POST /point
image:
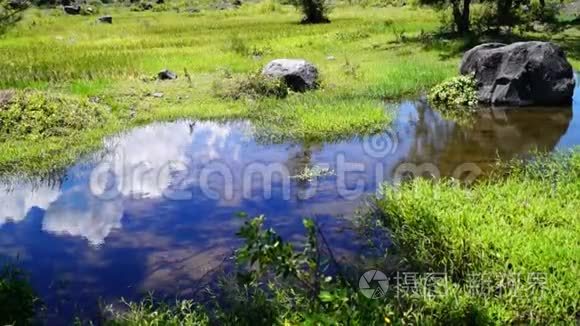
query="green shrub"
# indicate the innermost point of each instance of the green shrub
(455, 98)
(253, 86)
(455, 93)
(315, 11)
(17, 299)
(34, 114)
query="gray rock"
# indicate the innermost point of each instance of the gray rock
(300, 75)
(519, 74)
(106, 19)
(166, 74)
(72, 10)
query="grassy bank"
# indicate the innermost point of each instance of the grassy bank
(504, 232)
(365, 55)
(360, 55)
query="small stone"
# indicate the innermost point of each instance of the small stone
(166, 74)
(106, 19)
(157, 94)
(331, 58)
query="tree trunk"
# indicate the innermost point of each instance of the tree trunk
(505, 14)
(461, 16)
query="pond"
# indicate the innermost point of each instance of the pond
(156, 209)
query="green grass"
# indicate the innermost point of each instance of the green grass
(524, 222)
(379, 53)
(115, 63)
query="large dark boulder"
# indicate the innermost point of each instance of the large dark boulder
(520, 74)
(300, 75)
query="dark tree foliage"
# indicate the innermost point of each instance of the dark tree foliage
(10, 11)
(315, 11)
(499, 13)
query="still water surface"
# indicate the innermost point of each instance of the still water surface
(156, 210)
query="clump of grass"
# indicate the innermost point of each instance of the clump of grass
(237, 45)
(150, 312)
(28, 114)
(17, 298)
(313, 117)
(253, 86)
(455, 97)
(516, 235)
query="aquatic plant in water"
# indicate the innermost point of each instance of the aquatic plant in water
(311, 173)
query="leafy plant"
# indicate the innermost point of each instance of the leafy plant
(265, 250)
(457, 92)
(455, 98)
(17, 298)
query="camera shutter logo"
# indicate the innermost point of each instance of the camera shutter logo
(373, 277)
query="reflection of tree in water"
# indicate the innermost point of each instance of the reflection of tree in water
(300, 158)
(430, 129)
(493, 133)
